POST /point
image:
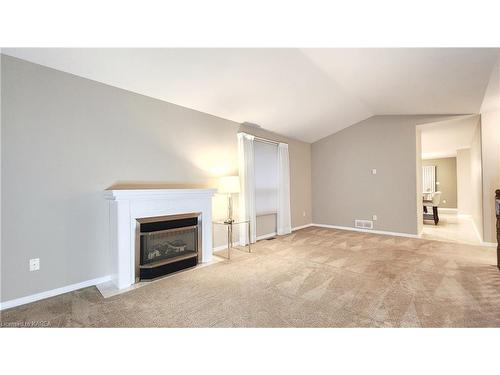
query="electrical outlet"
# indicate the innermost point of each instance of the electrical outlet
(444, 200)
(34, 264)
(304, 213)
(374, 171)
(374, 217)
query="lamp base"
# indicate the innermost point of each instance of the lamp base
(229, 219)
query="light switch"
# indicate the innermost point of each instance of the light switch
(34, 264)
(374, 171)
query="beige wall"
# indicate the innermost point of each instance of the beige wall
(344, 188)
(490, 141)
(446, 176)
(464, 184)
(65, 139)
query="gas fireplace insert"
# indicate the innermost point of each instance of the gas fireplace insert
(166, 244)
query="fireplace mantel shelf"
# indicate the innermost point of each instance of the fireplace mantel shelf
(132, 194)
(126, 206)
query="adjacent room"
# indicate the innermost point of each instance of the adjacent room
(258, 187)
(451, 180)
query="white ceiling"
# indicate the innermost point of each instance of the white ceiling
(303, 93)
(442, 139)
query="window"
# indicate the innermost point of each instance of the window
(266, 178)
(429, 179)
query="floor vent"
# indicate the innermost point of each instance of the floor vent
(363, 224)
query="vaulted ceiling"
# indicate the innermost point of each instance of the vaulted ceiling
(303, 93)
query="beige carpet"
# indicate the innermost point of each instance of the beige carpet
(312, 278)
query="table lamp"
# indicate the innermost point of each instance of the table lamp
(229, 185)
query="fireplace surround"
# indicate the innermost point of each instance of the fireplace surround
(127, 206)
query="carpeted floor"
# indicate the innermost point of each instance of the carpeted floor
(314, 277)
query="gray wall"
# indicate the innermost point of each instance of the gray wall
(344, 189)
(446, 175)
(65, 139)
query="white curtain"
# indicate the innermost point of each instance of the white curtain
(247, 186)
(283, 218)
(266, 178)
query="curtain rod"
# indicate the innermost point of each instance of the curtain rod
(265, 140)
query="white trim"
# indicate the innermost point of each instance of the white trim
(478, 235)
(53, 292)
(136, 194)
(489, 244)
(439, 155)
(302, 227)
(398, 234)
(126, 206)
(266, 213)
(449, 210)
(224, 247)
(237, 243)
(264, 236)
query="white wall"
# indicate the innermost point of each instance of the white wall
(464, 185)
(418, 157)
(476, 178)
(490, 137)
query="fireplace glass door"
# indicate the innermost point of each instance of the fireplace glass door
(166, 244)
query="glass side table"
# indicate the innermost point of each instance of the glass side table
(229, 226)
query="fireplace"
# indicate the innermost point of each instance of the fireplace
(166, 244)
(127, 206)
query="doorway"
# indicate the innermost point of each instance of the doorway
(449, 180)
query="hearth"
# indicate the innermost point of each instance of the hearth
(166, 244)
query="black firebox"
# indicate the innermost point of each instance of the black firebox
(167, 244)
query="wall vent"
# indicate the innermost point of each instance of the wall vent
(363, 224)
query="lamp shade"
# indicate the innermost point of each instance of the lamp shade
(229, 184)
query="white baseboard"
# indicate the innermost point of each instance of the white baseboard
(302, 227)
(488, 244)
(450, 210)
(478, 235)
(237, 243)
(52, 293)
(398, 234)
(224, 247)
(262, 237)
(483, 243)
(265, 236)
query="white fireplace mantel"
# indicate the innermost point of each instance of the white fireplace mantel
(126, 206)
